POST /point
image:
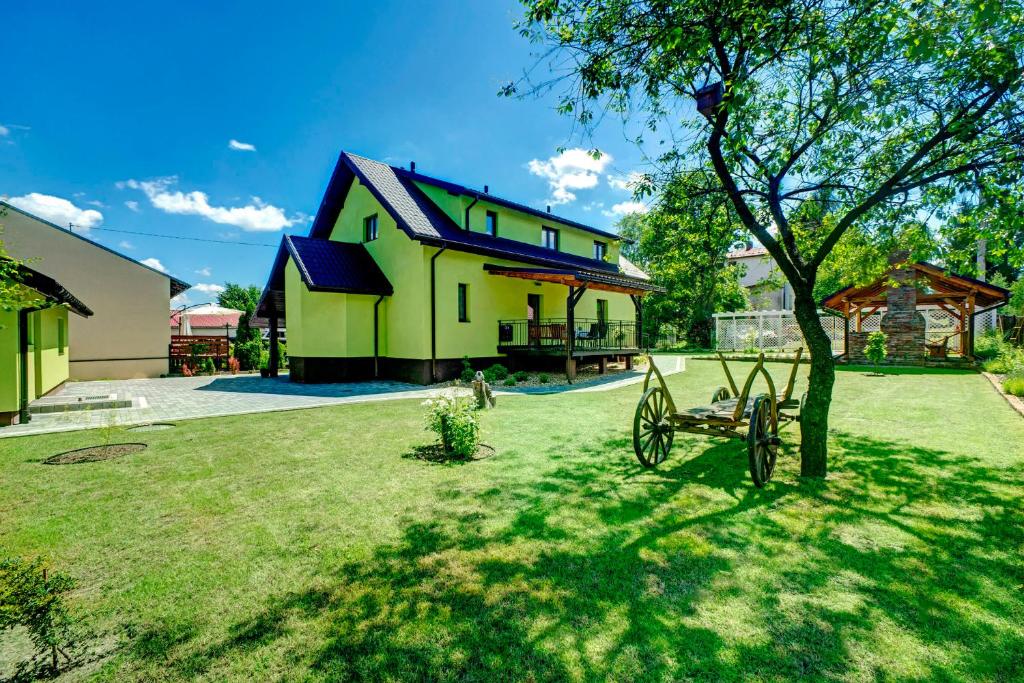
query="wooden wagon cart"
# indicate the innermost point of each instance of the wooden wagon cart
(732, 414)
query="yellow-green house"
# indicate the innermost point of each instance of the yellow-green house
(403, 276)
(34, 342)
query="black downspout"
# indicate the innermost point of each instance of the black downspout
(433, 313)
(23, 415)
(471, 205)
(376, 335)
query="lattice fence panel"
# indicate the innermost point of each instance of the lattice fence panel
(770, 331)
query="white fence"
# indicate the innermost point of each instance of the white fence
(779, 331)
(770, 331)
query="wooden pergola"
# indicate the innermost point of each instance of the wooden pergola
(961, 296)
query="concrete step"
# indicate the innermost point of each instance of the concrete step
(63, 404)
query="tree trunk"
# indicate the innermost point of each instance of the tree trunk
(814, 413)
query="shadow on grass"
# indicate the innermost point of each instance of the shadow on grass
(904, 564)
(435, 453)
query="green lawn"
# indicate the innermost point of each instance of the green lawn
(315, 545)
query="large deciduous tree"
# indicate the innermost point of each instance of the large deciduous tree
(830, 115)
(682, 243)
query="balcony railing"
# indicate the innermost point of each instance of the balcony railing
(551, 334)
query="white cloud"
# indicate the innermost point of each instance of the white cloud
(133, 205)
(241, 146)
(573, 169)
(208, 289)
(125, 244)
(623, 208)
(626, 182)
(180, 300)
(154, 264)
(204, 272)
(4, 131)
(96, 202)
(255, 217)
(57, 210)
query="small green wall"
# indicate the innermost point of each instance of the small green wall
(48, 367)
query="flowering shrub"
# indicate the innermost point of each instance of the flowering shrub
(233, 365)
(453, 420)
(186, 370)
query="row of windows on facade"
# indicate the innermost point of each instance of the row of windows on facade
(548, 236)
(532, 313)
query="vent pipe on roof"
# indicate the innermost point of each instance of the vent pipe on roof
(412, 166)
(549, 208)
(487, 189)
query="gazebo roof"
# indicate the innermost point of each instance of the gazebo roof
(941, 287)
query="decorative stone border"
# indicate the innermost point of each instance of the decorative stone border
(1014, 401)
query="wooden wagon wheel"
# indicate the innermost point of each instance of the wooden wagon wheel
(721, 394)
(652, 429)
(762, 441)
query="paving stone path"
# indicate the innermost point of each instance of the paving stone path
(183, 398)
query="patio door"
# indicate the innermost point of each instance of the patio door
(533, 308)
(533, 318)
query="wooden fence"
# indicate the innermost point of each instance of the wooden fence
(183, 348)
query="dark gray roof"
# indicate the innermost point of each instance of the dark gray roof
(329, 266)
(324, 266)
(421, 219)
(49, 288)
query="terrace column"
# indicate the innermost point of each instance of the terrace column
(274, 352)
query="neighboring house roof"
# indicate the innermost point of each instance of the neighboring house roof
(207, 316)
(50, 288)
(177, 286)
(746, 253)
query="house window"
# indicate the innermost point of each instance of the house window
(62, 336)
(602, 310)
(370, 228)
(549, 238)
(463, 303)
(600, 251)
(491, 227)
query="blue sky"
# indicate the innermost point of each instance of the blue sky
(122, 116)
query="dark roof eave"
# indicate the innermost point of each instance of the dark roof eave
(583, 275)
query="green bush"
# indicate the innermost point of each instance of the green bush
(989, 345)
(543, 378)
(453, 420)
(1009, 361)
(208, 367)
(1014, 384)
(248, 354)
(495, 372)
(33, 597)
(875, 348)
(282, 355)
(521, 376)
(467, 375)
(509, 381)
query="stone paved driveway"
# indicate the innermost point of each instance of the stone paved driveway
(182, 398)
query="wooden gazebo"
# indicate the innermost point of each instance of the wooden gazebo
(901, 291)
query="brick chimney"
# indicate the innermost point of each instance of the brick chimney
(903, 325)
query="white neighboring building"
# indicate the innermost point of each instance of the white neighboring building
(766, 286)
